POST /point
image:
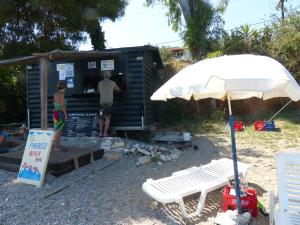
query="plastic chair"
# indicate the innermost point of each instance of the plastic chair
(285, 206)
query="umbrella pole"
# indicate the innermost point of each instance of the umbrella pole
(234, 159)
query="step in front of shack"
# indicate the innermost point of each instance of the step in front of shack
(134, 69)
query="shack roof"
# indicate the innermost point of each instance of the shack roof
(57, 55)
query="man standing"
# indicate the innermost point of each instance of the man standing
(106, 88)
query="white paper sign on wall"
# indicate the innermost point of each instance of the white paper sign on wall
(35, 157)
(107, 64)
(92, 65)
(69, 69)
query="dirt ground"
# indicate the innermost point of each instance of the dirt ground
(109, 191)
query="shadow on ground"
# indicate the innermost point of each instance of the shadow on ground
(101, 194)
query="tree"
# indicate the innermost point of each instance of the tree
(28, 26)
(241, 40)
(203, 23)
(281, 5)
(285, 45)
(12, 87)
(281, 40)
(43, 25)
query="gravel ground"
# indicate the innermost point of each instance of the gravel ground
(109, 191)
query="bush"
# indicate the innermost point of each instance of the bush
(218, 115)
(174, 112)
(12, 95)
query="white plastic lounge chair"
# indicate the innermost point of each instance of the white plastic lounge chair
(183, 183)
(175, 187)
(288, 176)
(221, 168)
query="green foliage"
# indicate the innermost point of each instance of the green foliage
(203, 23)
(174, 111)
(246, 40)
(285, 45)
(165, 54)
(41, 25)
(196, 34)
(12, 95)
(214, 54)
(218, 115)
(28, 26)
(281, 41)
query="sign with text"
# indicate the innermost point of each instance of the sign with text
(92, 65)
(65, 71)
(35, 157)
(107, 64)
(82, 124)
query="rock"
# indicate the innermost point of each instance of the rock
(175, 153)
(151, 148)
(153, 154)
(164, 158)
(105, 147)
(136, 146)
(118, 144)
(144, 160)
(121, 150)
(106, 142)
(163, 149)
(126, 150)
(159, 163)
(153, 204)
(132, 150)
(143, 151)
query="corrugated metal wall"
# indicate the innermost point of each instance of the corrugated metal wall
(128, 105)
(33, 95)
(149, 74)
(137, 66)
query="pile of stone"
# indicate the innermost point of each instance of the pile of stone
(146, 153)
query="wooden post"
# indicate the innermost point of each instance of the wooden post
(44, 92)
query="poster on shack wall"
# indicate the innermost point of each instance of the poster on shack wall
(35, 157)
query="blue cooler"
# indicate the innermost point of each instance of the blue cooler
(270, 126)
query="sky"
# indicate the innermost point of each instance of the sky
(149, 25)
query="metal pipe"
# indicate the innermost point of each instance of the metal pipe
(279, 111)
(28, 118)
(234, 159)
(275, 115)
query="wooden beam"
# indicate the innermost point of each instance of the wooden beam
(40, 54)
(26, 59)
(44, 92)
(63, 55)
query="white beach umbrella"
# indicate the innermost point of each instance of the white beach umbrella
(233, 77)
